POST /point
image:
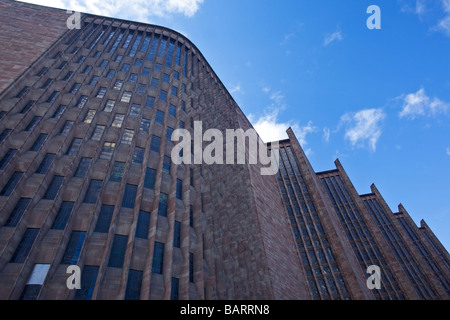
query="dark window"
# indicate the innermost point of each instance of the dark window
(166, 164)
(162, 47)
(39, 142)
(58, 113)
(104, 63)
(83, 167)
(117, 171)
(191, 267)
(88, 279)
(174, 91)
(169, 133)
(133, 291)
(27, 106)
(155, 144)
(150, 177)
(93, 191)
(183, 105)
(68, 76)
(145, 72)
(163, 95)
(174, 288)
(24, 246)
(166, 78)
(170, 51)
(62, 65)
(104, 219)
(66, 128)
(129, 196)
(191, 216)
(53, 188)
(75, 87)
(177, 234)
(145, 125)
(7, 158)
(154, 83)
(73, 248)
(159, 118)
(87, 69)
(53, 97)
(191, 171)
(17, 212)
(181, 125)
(118, 249)
(143, 225)
(74, 146)
(158, 257)
(94, 80)
(138, 155)
(63, 215)
(11, 184)
(4, 134)
(42, 71)
(33, 123)
(178, 55)
(162, 204)
(179, 190)
(45, 164)
(172, 110)
(47, 83)
(150, 101)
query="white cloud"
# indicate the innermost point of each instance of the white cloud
(419, 104)
(326, 134)
(331, 37)
(236, 89)
(363, 128)
(444, 24)
(139, 10)
(448, 151)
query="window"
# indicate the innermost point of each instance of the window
(88, 279)
(58, 112)
(126, 96)
(183, 87)
(150, 177)
(174, 91)
(158, 258)
(145, 72)
(104, 63)
(127, 137)
(162, 47)
(140, 90)
(163, 95)
(68, 76)
(135, 108)
(162, 204)
(134, 284)
(133, 77)
(66, 128)
(118, 249)
(138, 62)
(191, 216)
(24, 246)
(74, 146)
(89, 116)
(4, 134)
(118, 84)
(143, 225)
(181, 125)
(53, 97)
(62, 65)
(117, 171)
(154, 83)
(39, 142)
(97, 54)
(107, 151)
(118, 58)
(81, 102)
(94, 80)
(191, 267)
(104, 219)
(110, 74)
(150, 101)
(176, 75)
(35, 282)
(166, 78)
(179, 189)
(174, 287)
(87, 69)
(138, 155)
(144, 125)
(172, 110)
(183, 105)
(98, 132)
(83, 167)
(7, 158)
(191, 175)
(166, 164)
(109, 105)
(42, 71)
(169, 133)
(75, 88)
(101, 92)
(155, 144)
(73, 248)
(27, 106)
(118, 120)
(63, 215)
(17, 212)
(53, 188)
(169, 58)
(129, 196)
(159, 117)
(47, 83)
(45, 164)
(177, 234)
(11, 184)
(93, 191)
(33, 123)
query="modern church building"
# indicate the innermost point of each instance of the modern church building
(94, 207)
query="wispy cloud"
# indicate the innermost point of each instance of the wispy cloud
(326, 134)
(448, 151)
(444, 23)
(140, 10)
(236, 89)
(419, 104)
(435, 12)
(332, 37)
(363, 128)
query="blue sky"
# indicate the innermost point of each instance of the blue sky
(379, 100)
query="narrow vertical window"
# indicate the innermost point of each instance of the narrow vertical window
(88, 279)
(24, 246)
(17, 212)
(134, 284)
(150, 177)
(104, 219)
(158, 258)
(129, 196)
(143, 225)
(93, 191)
(45, 164)
(63, 215)
(11, 184)
(73, 249)
(118, 249)
(7, 158)
(53, 188)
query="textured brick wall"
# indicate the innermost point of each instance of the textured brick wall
(26, 31)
